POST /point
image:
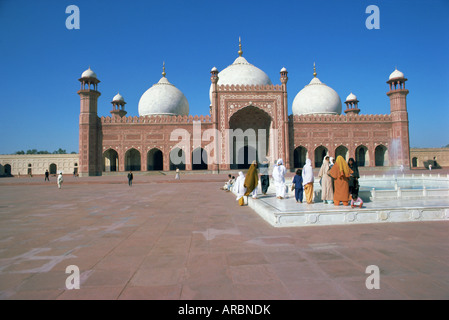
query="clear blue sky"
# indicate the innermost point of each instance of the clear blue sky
(125, 43)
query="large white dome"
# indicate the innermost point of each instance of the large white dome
(242, 72)
(163, 98)
(316, 98)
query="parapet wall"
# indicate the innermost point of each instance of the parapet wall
(245, 88)
(340, 118)
(165, 119)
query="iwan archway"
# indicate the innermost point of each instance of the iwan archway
(249, 137)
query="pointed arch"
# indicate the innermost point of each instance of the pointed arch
(132, 160)
(299, 157)
(320, 153)
(199, 159)
(362, 156)
(155, 160)
(381, 156)
(177, 159)
(342, 151)
(110, 160)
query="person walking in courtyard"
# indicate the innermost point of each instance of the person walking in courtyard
(327, 185)
(297, 186)
(341, 173)
(307, 180)
(278, 174)
(47, 176)
(252, 180)
(60, 180)
(177, 174)
(354, 178)
(130, 178)
(264, 177)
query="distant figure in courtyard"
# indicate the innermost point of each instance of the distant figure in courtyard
(252, 180)
(430, 167)
(60, 180)
(341, 173)
(327, 184)
(239, 187)
(177, 177)
(354, 178)
(130, 178)
(356, 201)
(278, 174)
(264, 177)
(47, 176)
(401, 167)
(307, 180)
(297, 186)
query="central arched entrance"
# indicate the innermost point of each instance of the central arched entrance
(249, 136)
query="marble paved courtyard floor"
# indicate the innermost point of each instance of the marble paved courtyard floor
(167, 239)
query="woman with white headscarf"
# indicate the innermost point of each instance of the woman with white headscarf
(307, 181)
(278, 174)
(239, 186)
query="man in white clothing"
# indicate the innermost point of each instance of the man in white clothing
(278, 174)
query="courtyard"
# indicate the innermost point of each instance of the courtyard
(188, 240)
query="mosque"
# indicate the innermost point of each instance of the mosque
(248, 119)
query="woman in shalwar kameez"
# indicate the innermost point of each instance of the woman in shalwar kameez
(341, 173)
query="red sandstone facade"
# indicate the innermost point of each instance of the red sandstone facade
(120, 143)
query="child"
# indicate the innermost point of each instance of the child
(356, 201)
(297, 185)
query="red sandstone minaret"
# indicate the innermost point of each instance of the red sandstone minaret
(399, 148)
(90, 153)
(284, 79)
(118, 106)
(215, 167)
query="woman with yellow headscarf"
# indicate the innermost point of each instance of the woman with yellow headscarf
(252, 180)
(341, 173)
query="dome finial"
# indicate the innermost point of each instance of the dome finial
(314, 70)
(240, 47)
(163, 69)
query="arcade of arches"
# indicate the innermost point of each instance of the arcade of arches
(362, 155)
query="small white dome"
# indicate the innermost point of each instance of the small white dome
(213, 69)
(396, 74)
(283, 69)
(163, 98)
(316, 98)
(118, 97)
(351, 97)
(88, 74)
(241, 72)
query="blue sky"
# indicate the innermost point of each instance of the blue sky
(125, 43)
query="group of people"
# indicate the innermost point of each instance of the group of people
(339, 181)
